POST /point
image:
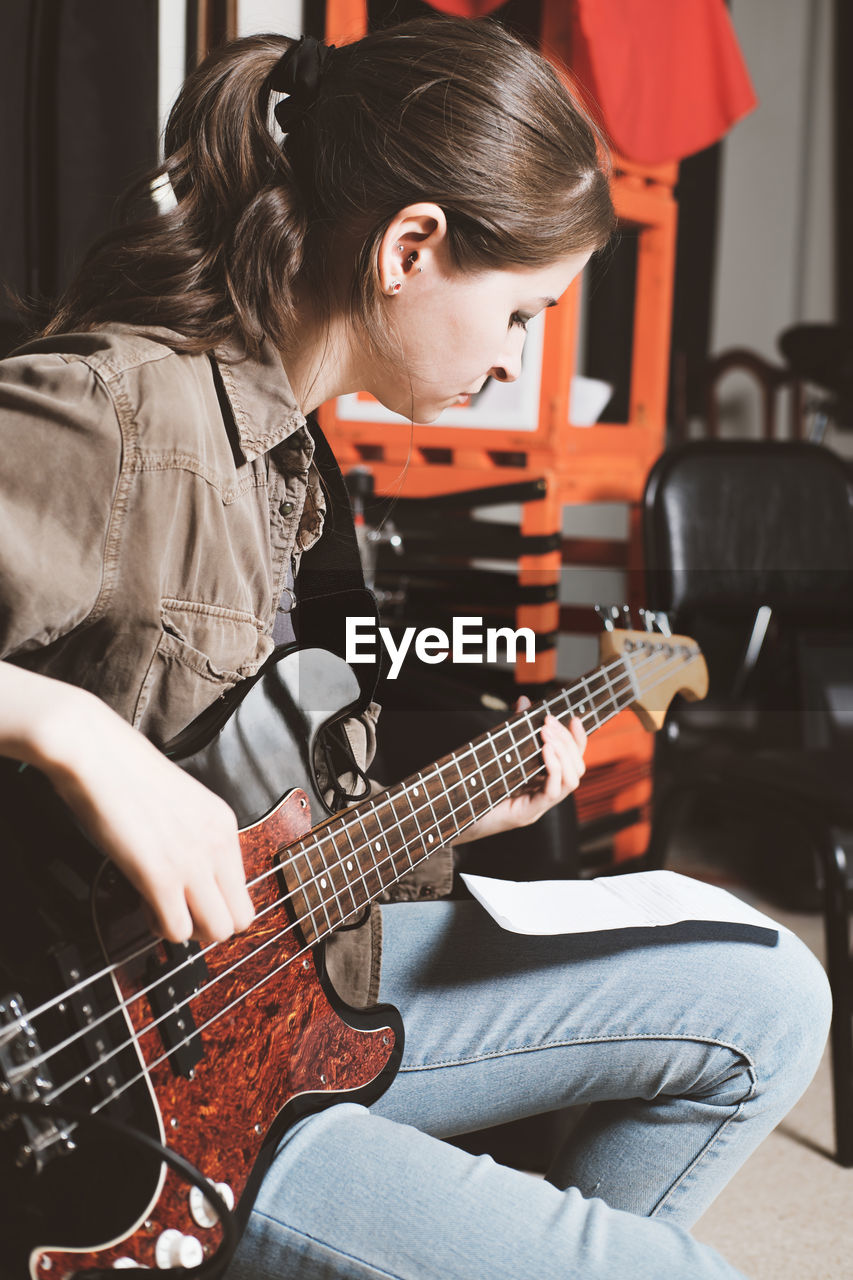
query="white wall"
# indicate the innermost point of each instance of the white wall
(283, 16)
(775, 246)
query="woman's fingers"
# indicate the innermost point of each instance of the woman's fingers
(562, 755)
(175, 840)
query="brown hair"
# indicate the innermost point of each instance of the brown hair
(453, 111)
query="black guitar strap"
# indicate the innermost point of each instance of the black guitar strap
(330, 583)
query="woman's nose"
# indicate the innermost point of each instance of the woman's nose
(508, 367)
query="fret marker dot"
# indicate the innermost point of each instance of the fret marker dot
(416, 791)
(323, 884)
(473, 782)
(507, 757)
(430, 839)
(582, 708)
(349, 866)
(378, 845)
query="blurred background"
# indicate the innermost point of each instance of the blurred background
(680, 438)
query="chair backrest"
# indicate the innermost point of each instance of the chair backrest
(734, 524)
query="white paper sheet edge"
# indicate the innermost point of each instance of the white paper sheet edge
(637, 900)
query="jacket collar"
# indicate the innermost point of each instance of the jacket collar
(260, 396)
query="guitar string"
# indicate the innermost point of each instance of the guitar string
(234, 1003)
(6, 1034)
(197, 1032)
(276, 937)
(170, 975)
(344, 916)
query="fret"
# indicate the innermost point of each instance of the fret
(322, 886)
(460, 800)
(499, 759)
(630, 690)
(373, 870)
(493, 785)
(341, 877)
(476, 788)
(336, 875)
(593, 695)
(420, 795)
(410, 835)
(440, 805)
(352, 861)
(381, 850)
(529, 748)
(510, 760)
(302, 888)
(608, 692)
(392, 834)
(604, 698)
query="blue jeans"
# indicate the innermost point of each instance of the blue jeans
(689, 1053)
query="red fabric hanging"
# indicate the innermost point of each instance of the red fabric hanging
(667, 76)
(466, 8)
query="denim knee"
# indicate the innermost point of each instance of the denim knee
(794, 1011)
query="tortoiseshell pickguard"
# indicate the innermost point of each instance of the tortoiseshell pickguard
(269, 1034)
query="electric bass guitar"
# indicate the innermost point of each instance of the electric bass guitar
(144, 1085)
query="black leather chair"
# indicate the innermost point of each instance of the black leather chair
(749, 548)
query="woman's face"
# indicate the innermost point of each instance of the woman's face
(454, 330)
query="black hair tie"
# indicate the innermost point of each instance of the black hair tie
(299, 73)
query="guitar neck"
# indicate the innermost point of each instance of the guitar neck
(349, 861)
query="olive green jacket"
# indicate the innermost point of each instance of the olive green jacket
(151, 505)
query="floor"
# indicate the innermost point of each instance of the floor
(788, 1214)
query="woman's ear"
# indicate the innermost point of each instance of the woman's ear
(414, 243)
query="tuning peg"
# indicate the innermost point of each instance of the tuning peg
(627, 620)
(656, 620)
(610, 615)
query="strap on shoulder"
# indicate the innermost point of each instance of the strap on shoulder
(330, 583)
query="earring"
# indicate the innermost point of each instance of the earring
(400, 248)
(395, 286)
(412, 259)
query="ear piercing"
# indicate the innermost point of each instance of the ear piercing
(395, 285)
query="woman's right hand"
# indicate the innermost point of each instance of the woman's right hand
(174, 839)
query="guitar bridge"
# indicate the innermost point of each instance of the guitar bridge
(24, 1077)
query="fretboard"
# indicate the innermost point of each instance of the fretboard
(335, 871)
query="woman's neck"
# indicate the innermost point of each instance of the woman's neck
(324, 361)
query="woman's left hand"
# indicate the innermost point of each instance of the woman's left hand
(562, 756)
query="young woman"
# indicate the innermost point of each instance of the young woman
(435, 187)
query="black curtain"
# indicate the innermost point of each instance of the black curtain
(78, 124)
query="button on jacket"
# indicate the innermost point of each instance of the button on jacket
(152, 507)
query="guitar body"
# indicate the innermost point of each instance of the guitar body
(215, 1054)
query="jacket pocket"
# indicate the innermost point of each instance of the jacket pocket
(202, 652)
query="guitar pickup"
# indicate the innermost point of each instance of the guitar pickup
(172, 982)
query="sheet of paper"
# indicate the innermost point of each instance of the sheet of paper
(639, 900)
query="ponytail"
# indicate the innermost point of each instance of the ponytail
(223, 261)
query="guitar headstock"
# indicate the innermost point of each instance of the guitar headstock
(660, 666)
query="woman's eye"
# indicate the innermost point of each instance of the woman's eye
(518, 319)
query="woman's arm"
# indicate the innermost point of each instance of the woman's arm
(173, 839)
